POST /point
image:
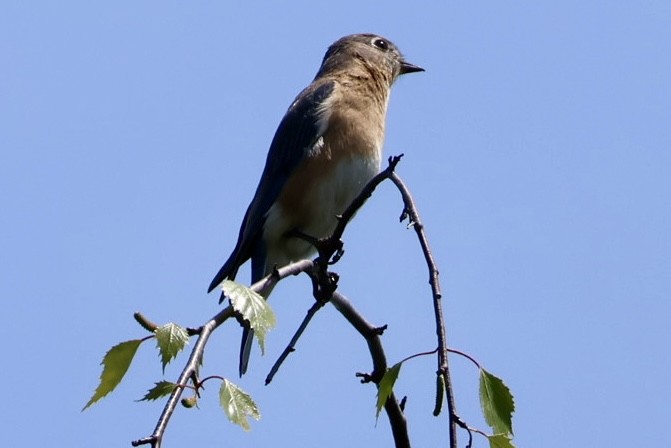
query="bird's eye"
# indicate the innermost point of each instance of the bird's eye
(381, 44)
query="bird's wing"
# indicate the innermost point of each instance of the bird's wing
(297, 133)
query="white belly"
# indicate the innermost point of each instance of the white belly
(329, 198)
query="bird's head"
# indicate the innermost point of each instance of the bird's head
(370, 50)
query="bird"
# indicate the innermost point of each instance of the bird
(326, 148)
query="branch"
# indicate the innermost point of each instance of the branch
(410, 211)
(361, 199)
(330, 251)
(399, 426)
(291, 347)
(324, 285)
(190, 371)
(328, 247)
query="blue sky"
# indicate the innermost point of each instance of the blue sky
(537, 143)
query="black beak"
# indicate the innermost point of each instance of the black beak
(407, 67)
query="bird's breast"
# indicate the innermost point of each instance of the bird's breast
(319, 190)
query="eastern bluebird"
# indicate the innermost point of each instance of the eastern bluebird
(326, 148)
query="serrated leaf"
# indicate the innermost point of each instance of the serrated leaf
(237, 404)
(170, 340)
(161, 389)
(115, 365)
(500, 441)
(252, 306)
(497, 403)
(386, 387)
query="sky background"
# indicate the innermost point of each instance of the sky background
(537, 146)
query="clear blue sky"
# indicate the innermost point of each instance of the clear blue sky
(538, 147)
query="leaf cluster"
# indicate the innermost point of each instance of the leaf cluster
(171, 339)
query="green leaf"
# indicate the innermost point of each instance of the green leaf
(237, 404)
(115, 365)
(252, 306)
(170, 340)
(500, 441)
(386, 386)
(161, 389)
(497, 403)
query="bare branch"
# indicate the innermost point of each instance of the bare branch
(371, 334)
(410, 210)
(292, 344)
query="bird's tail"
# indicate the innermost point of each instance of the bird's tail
(245, 348)
(258, 272)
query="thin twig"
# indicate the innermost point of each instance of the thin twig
(465, 355)
(411, 211)
(417, 355)
(292, 344)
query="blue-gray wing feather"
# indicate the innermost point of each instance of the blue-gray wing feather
(296, 134)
